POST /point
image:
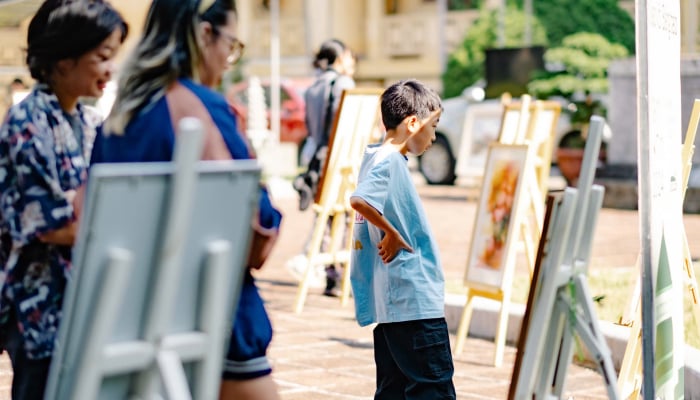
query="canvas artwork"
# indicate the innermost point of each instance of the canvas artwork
(511, 126)
(495, 232)
(482, 125)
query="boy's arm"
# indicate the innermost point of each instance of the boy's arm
(392, 242)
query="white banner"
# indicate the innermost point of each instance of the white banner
(660, 199)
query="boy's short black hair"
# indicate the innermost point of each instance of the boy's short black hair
(405, 98)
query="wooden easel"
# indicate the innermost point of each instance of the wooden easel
(630, 378)
(521, 124)
(496, 286)
(353, 129)
(538, 132)
(560, 299)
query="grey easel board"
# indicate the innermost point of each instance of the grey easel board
(558, 311)
(158, 267)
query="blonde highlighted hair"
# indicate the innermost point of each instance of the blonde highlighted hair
(168, 50)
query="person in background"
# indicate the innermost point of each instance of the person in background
(45, 142)
(396, 275)
(185, 47)
(336, 65)
(18, 90)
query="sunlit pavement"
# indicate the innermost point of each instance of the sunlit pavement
(323, 354)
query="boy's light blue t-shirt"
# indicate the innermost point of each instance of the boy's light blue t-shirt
(412, 285)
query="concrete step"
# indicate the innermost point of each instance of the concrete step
(485, 319)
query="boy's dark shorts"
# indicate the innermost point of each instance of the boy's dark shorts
(250, 337)
(414, 360)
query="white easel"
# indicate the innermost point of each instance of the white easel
(562, 303)
(158, 268)
(355, 123)
(630, 378)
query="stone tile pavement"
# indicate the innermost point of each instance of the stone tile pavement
(323, 353)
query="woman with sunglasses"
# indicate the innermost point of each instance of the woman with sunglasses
(185, 48)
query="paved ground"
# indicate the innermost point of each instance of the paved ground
(324, 354)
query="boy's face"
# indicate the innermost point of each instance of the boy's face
(422, 132)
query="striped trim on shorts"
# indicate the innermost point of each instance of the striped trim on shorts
(250, 369)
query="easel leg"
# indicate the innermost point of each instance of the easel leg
(629, 381)
(173, 376)
(345, 288)
(502, 330)
(692, 283)
(591, 335)
(314, 248)
(111, 290)
(463, 328)
(565, 357)
(552, 359)
(529, 243)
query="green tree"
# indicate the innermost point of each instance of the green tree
(562, 18)
(582, 63)
(465, 65)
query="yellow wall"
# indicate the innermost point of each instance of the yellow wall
(390, 45)
(134, 12)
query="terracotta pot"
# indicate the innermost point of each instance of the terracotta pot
(569, 162)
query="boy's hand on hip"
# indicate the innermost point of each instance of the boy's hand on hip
(390, 246)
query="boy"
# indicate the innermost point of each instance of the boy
(401, 286)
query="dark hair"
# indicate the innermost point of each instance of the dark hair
(330, 50)
(217, 14)
(167, 50)
(405, 98)
(67, 29)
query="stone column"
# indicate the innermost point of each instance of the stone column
(245, 17)
(689, 26)
(373, 41)
(318, 23)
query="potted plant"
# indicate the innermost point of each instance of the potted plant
(577, 71)
(572, 145)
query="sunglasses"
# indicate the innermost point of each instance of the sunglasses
(237, 47)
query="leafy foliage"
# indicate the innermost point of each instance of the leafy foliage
(465, 65)
(581, 66)
(562, 18)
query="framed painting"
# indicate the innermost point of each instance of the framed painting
(495, 235)
(482, 124)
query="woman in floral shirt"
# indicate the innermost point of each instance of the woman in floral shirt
(45, 143)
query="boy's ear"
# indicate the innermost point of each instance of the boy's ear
(413, 123)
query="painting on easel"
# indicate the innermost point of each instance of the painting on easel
(495, 233)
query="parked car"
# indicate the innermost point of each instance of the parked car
(292, 107)
(438, 163)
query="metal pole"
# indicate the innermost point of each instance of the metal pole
(645, 222)
(275, 70)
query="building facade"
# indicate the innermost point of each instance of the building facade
(393, 39)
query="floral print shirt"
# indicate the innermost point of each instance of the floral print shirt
(44, 152)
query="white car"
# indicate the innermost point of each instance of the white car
(440, 164)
